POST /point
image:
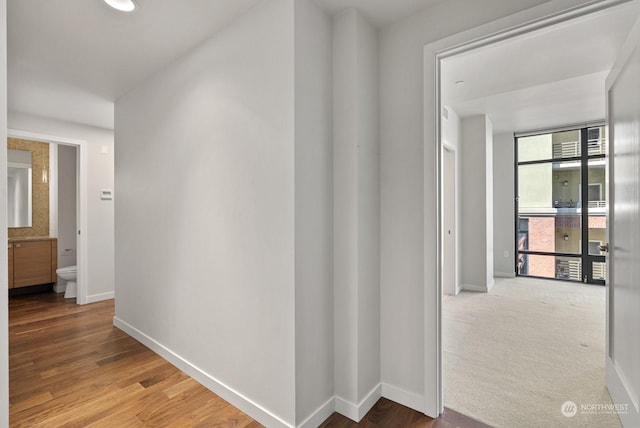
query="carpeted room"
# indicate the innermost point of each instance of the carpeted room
(513, 356)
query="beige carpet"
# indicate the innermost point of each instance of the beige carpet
(513, 356)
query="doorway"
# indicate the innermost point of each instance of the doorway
(561, 204)
(81, 207)
(462, 45)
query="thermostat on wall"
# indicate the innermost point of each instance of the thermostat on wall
(106, 194)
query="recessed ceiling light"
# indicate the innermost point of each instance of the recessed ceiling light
(121, 5)
(460, 83)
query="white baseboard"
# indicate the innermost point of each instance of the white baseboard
(369, 401)
(474, 287)
(356, 412)
(100, 297)
(254, 410)
(620, 395)
(504, 274)
(479, 288)
(335, 404)
(320, 415)
(400, 396)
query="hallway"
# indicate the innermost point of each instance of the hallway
(70, 367)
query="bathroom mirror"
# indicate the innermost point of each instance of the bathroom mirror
(19, 188)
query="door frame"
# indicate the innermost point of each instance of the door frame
(81, 202)
(517, 24)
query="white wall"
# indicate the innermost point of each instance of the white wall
(4, 325)
(205, 263)
(345, 188)
(503, 205)
(477, 204)
(368, 142)
(488, 188)
(451, 128)
(100, 214)
(356, 208)
(408, 185)
(66, 203)
(313, 210)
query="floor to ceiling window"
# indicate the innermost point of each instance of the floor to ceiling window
(560, 204)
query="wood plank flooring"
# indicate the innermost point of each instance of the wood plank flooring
(385, 413)
(69, 367)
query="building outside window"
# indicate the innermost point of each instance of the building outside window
(561, 203)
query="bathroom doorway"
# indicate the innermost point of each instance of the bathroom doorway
(81, 200)
(63, 209)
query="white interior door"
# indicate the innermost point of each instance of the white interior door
(449, 284)
(623, 226)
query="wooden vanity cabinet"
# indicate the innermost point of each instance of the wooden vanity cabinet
(32, 262)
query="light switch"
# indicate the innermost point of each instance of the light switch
(106, 194)
(105, 149)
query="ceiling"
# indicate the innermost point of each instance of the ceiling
(548, 78)
(379, 12)
(71, 59)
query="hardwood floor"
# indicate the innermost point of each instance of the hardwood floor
(68, 366)
(385, 413)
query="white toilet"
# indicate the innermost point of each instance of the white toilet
(69, 274)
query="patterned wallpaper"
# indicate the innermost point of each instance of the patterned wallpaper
(40, 209)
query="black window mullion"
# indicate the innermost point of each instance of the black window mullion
(516, 206)
(557, 160)
(587, 266)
